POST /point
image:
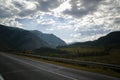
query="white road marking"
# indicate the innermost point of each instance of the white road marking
(1, 78)
(43, 69)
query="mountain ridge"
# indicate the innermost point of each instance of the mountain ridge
(49, 38)
(16, 38)
(20, 39)
(110, 39)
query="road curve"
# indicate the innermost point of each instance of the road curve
(13, 67)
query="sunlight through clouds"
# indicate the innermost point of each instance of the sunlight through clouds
(71, 20)
(65, 5)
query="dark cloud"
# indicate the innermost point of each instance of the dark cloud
(81, 8)
(22, 7)
(5, 13)
(7, 10)
(46, 5)
(18, 5)
(117, 20)
(26, 13)
(94, 32)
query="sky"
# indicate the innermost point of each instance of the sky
(71, 20)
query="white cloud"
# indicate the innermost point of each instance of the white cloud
(65, 5)
(11, 22)
(75, 36)
(45, 21)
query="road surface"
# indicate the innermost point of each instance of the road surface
(13, 67)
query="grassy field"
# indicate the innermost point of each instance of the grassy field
(95, 54)
(82, 49)
(113, 57)
(103, 55)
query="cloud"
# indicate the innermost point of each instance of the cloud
(4, 14)
(31, 5)
(11, 22)
(10, 8)
(46, 5)
(63, 6)
(117, 20)
(7, 9)
(71, 20)
(81, 8)
(26, 7)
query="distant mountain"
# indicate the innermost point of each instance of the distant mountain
(111, 39)
(51, 39)
(16, 38)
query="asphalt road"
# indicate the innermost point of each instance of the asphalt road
(13, 67)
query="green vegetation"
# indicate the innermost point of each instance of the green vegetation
(113, 57)
(95, 54)
(86, 51)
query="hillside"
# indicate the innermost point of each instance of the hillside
(111, 39)
(51, 39)
(16, 38)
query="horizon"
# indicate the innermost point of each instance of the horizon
(72, 21)
(56, 35)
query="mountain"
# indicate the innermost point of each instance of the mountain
(16, 38)
(49, 38)
(110, 39)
